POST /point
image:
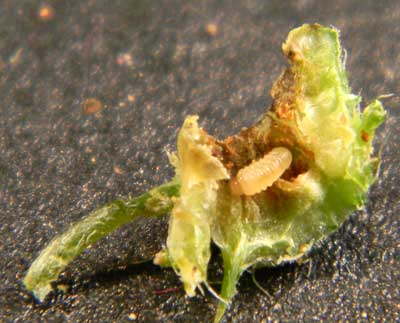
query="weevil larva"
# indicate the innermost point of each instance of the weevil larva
(262, 173)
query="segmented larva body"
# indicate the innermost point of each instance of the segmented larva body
(261, 173)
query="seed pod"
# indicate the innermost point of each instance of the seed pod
(262, 173)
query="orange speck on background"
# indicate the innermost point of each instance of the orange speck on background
(91, 106)
(212, 29)
(46, 13)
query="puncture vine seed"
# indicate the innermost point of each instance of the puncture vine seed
(316, 115)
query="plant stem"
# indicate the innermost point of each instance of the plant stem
(67, 246)
(232, 273)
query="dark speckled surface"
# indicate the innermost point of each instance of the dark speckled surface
(150, 63)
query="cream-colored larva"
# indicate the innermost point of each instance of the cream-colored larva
(261, 173)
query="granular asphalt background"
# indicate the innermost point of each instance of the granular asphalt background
(148, 64)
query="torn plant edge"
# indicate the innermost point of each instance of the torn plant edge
(189, 235)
